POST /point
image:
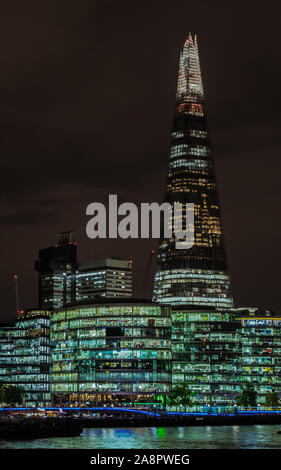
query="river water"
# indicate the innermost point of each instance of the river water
(189, 437)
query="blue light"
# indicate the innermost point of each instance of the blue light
(144, 412)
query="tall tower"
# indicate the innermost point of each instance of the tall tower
(196, 276)
(56, 269)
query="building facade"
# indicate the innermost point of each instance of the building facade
(132, 353)
(217, 353)
(206, 352)
(260, 361)
(110, 277)
(117, 352)
(63, 281)
(25, 356)
(6, 351)
(195, 276)
(56, 269)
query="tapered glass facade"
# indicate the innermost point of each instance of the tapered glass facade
(195, 276)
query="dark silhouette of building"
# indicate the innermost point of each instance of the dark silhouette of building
(57, 273)
(63, 281)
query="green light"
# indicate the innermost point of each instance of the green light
(161, 432)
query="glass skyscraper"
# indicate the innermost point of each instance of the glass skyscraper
(195, 276)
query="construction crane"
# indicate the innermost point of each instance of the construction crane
(147, 275)
(129, 266)
(16, 286)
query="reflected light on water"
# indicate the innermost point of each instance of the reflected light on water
(178, 437)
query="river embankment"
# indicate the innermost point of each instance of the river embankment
(34, 428)
(179, 420)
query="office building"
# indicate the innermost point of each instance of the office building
(260, 361)
(110, 277)
(206, 352)
(6, 351)
(25, 356)
(112, 352)
(56, 269)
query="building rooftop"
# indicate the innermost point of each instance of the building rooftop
(105, 263)
(109, 300)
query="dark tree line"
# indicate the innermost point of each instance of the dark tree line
(181, 395)
(11, 395)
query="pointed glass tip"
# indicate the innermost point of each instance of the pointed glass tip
(191, 37)
(189, 77)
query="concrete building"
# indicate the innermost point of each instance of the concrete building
(110, 277)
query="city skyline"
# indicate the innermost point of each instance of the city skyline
(51, 152)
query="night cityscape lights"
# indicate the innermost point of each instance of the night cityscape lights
(90, 343)
(116, 352)
(25, 356)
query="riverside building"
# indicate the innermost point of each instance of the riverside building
(206, 349)
(56, 269)
(6, 351)
(260, 362)
(112, 352)
(25, 356)
(130, 353)
(218, 352)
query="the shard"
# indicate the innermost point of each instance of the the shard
(196, 276)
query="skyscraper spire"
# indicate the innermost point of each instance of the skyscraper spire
(189, 77)
(197, 275)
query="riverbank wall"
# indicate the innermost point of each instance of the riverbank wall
(179, 420)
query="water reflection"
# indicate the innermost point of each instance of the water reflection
(192, 437)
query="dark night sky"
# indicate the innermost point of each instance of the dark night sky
(87, 93)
